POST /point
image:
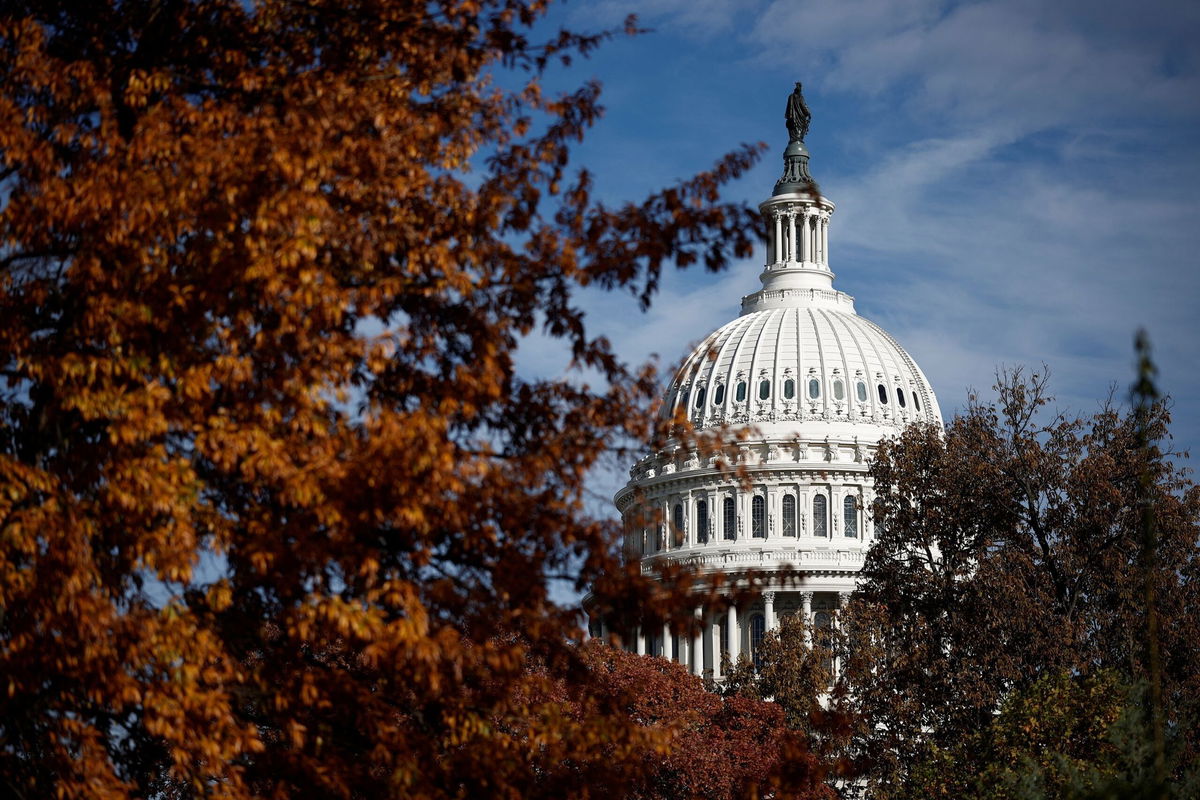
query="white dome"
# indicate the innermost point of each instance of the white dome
(809, 358)
(807, 389)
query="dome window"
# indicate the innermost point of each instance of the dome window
(883, 394)
(701, 521)
(758, 517)
(739, 394)
(850, 517)
(719, 394)
(789, 515)
(730, 513)
(820, 516)
(789, 389)
(700, 397)
(814, 388)
(900, 397)
(678, 520)
(764, 390)
(916, 402)
(839, 389)
(861, 390)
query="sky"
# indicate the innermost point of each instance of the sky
(1015, 181)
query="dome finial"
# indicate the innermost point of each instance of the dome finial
(795, 157)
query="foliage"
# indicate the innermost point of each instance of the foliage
(277, 515)
(794, 670)
(719, 747)
(1064, 736)
(1009, 549)
(790, 669)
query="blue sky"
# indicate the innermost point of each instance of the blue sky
(1016, 182)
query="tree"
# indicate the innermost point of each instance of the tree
(792, 667)
(709, 746)
(277, 515)
(1010, 549)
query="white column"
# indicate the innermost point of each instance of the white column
(667, 521)
(825, 240)
(714, 645)
(793, 255)
(806, 615)
(735, 633)
(641, 642)
(689, 519)
(697, 647)
(769, 610)
(778, 237)
(666, 641)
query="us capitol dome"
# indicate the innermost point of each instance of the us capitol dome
(813, 387)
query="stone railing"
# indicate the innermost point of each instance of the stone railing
(705, 557)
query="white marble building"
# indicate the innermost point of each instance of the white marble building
(818, 386)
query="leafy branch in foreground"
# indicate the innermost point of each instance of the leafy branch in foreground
(266, 267)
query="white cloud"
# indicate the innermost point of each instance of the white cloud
(1019, 64)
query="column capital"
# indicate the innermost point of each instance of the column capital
(768, 597)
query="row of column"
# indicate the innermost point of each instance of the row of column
(705, 644)
(813, 243)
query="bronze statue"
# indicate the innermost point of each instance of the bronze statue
(798, 115)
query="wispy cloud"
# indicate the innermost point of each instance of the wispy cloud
(1016, 181)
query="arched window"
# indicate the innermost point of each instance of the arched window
(724, 637)
(700, 397)
(789, 515)
(701, 521)
(764, 389)
(648, 538)
(900, 396)
(916, 402)
(719, 394)
(850, 517)
(861, 390)
(882, 394)
(820, 516)
(789, 389)
(740, 393)
(814, 388)
(839, 389)
(758, 629)
(729, 510)
(758, 517)
(677, 518)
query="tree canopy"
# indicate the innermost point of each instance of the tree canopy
(1010, 552)
(277, 515)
